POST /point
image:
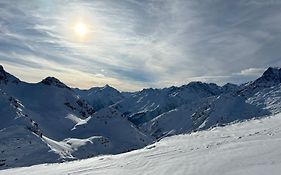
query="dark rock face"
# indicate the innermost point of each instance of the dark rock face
(6, 77)
(272, 75)
(3, 75)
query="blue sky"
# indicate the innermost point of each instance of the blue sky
(132, 44)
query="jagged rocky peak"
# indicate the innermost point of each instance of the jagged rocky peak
(271, 76)
(106, 88)
(1, 67)
(5, 77)
(2, 73)
(109, 88)
(198, 85)
(150, 90)
(52, 81)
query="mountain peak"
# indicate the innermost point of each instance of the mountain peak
(54, 81)
(271, 75)
(272, 72)
(2, 71)
(108, 88)
(5, 77)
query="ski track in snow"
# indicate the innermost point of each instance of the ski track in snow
(250, 148)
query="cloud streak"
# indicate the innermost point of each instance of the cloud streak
(134, 44)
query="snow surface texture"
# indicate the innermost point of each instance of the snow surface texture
(55, 123)
(248, 148)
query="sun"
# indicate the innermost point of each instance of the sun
(81, 29)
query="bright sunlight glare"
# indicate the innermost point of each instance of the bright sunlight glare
(81, 29)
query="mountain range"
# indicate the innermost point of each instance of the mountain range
(50, 122)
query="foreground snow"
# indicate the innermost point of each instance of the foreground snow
(251, 147)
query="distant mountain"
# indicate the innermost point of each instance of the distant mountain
(229, 87)
(51, 121)
(147, 104)
(100, 97)
(252, 100)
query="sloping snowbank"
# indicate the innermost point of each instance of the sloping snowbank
(251, 147)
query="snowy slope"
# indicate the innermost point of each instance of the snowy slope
(147, 104)
(207, 113)
(20, 141)
(248, 148)
(50, 105)
(255, 99)
(110, 123)
(69, 127)
(268, 98)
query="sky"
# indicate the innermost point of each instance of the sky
(135, 44)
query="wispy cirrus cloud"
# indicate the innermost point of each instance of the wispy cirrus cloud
(134, 44)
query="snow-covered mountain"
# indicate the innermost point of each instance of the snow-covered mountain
(5, 77)
(67, 124)
(100, 97)
(61, 125)
(20, 136)
(252, 100)
(147, 104)
(204, 114)
(49, 102)
(248, 148)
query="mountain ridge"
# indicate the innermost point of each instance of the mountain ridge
(270, 74)
(68, 123)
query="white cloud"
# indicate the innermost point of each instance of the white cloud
(252, 71)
